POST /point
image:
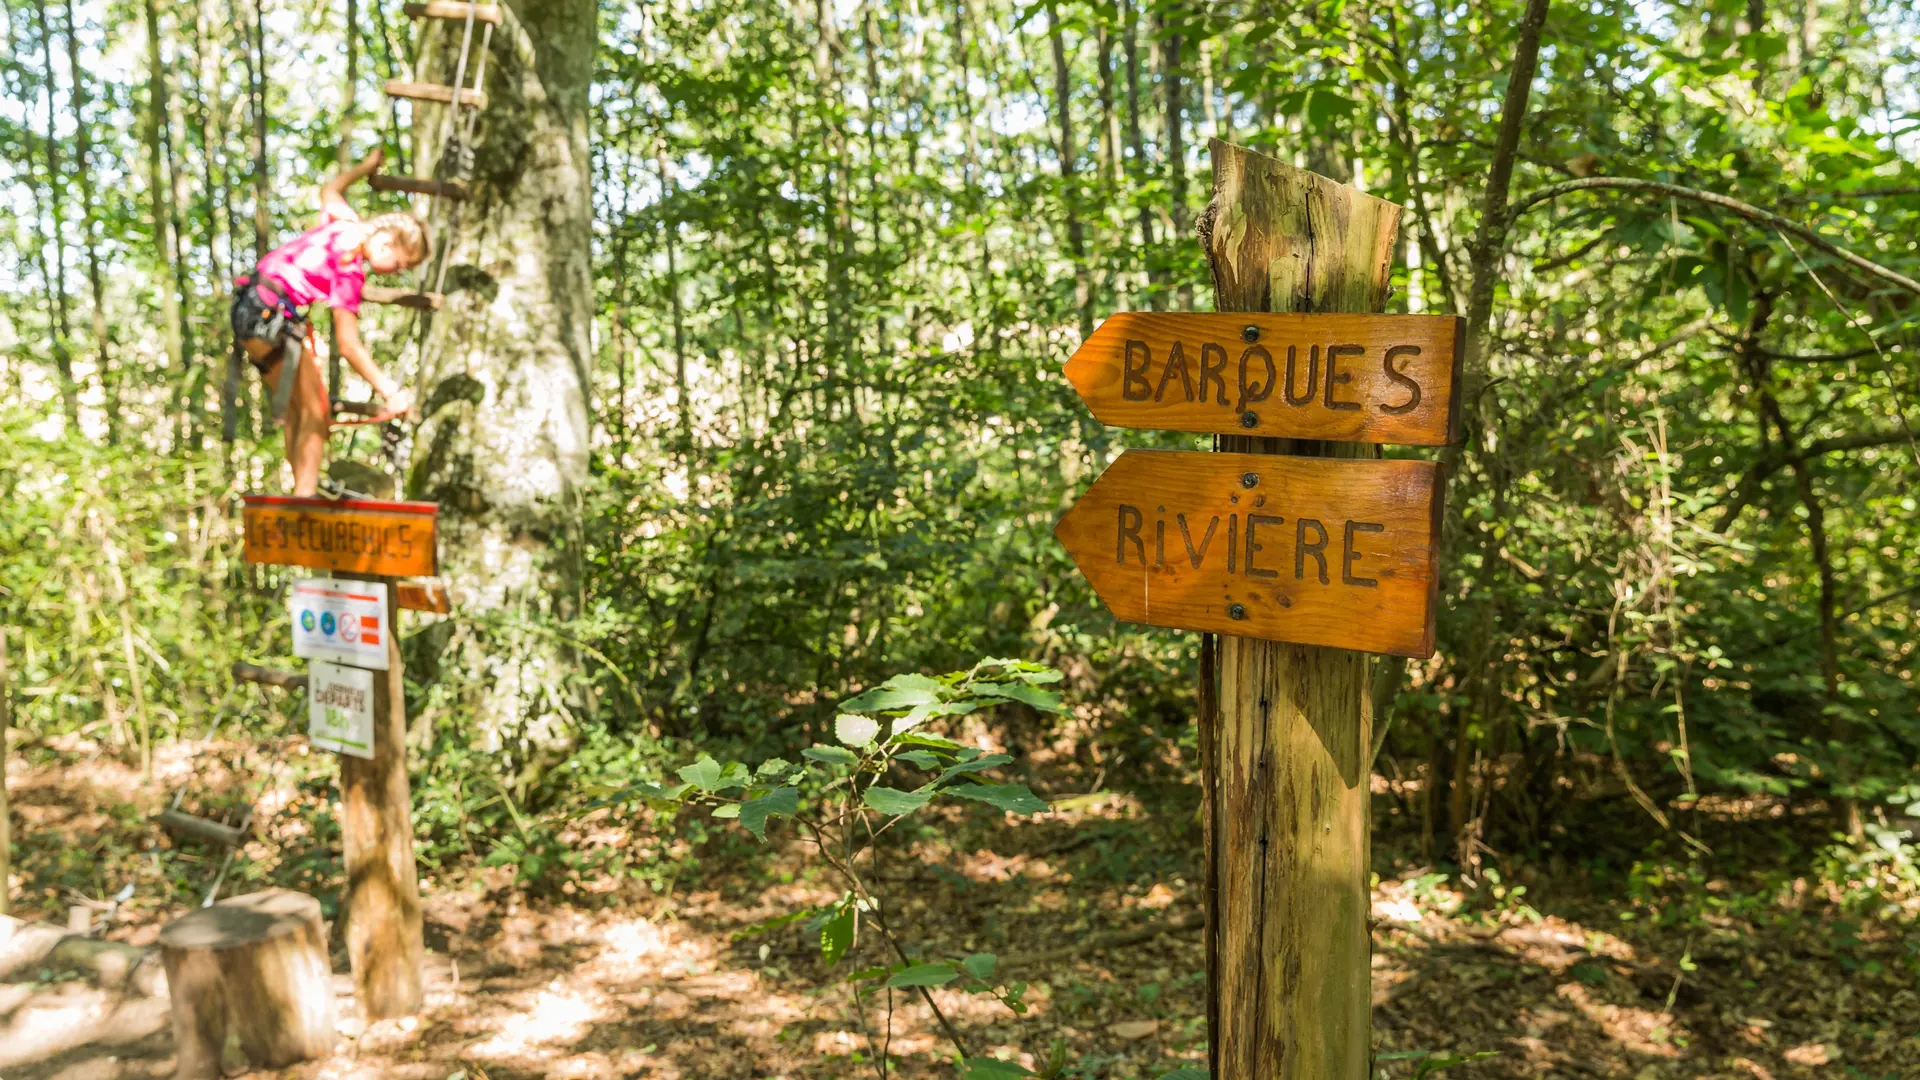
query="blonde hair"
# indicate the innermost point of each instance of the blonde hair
(406, 230)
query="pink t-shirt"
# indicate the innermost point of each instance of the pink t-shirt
(320, 265)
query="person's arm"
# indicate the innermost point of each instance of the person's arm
(333, 195)
(346, 329)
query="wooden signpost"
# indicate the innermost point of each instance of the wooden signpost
(378, 541)
(355, 536)
(1355, 378)
(1304, 552)
(1338, 553)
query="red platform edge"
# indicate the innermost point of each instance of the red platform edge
(321, 503)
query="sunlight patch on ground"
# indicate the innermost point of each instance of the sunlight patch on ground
(559, 1014)
(1641, 1031)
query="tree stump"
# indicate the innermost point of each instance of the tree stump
(251, 971)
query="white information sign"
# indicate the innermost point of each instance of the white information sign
(340, 708)
(341, 622)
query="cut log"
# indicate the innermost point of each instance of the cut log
(266, 676)
(183, 824)
(416, 185)
(451, 9)
(252, 970)
(414, 91)
(380, 294)
(26, 948)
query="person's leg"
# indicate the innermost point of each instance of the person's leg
(308, 420)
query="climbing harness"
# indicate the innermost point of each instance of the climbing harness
(275, 322)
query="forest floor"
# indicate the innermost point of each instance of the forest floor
(1584, 974)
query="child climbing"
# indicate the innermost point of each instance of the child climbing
(326, 264)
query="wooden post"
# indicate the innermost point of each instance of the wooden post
(1284, 757)
(385, 934)
(6, 807)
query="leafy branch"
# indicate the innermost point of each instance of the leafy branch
(845, 796)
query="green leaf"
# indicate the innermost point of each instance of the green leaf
(853, 729)
(836, 935)
(703, 774)
(1044, 700)
(894, 802)
(727, 811)
(938, 742)
(924, 975)
(899, 692)
(773, 767)
(1013, 798)
(980, 965)
(977, 763)
(754, 813)
(830, 755)
(993, 1069)
(923, 758)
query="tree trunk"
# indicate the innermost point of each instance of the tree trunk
(161, 194)
(89, 216)
(6, 806)
(1287, 785)
(503, 447)
(1069, 185)
(1175, 119)
(56, 210)
(1136, 143)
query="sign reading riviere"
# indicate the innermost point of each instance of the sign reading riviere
(1346, 378)
(1320, 551)
(355, 536)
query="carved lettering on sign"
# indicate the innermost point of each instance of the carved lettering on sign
(395, 539)
(1355, 378)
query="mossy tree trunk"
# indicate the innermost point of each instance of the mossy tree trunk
(504, 367)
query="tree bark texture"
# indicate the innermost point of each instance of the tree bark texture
(1286, 755)
(386, 943)
(250, 970)
(504, 367)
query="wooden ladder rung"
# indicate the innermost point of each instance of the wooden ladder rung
(417, 185)
(453, 9)
(380, 294)
(434, 92)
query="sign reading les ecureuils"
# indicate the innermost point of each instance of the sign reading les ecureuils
(357, 536)
(1321, 551)
(1346, 378)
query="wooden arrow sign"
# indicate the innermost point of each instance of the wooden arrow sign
(1346, 378)
(1321, 551)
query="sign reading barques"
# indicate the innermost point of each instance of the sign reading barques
(340, 709)
(1321, 551)
(1347, 378)
(356, 536)
(341, 622)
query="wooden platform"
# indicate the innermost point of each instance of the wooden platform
(415, 185)
(381, 294)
